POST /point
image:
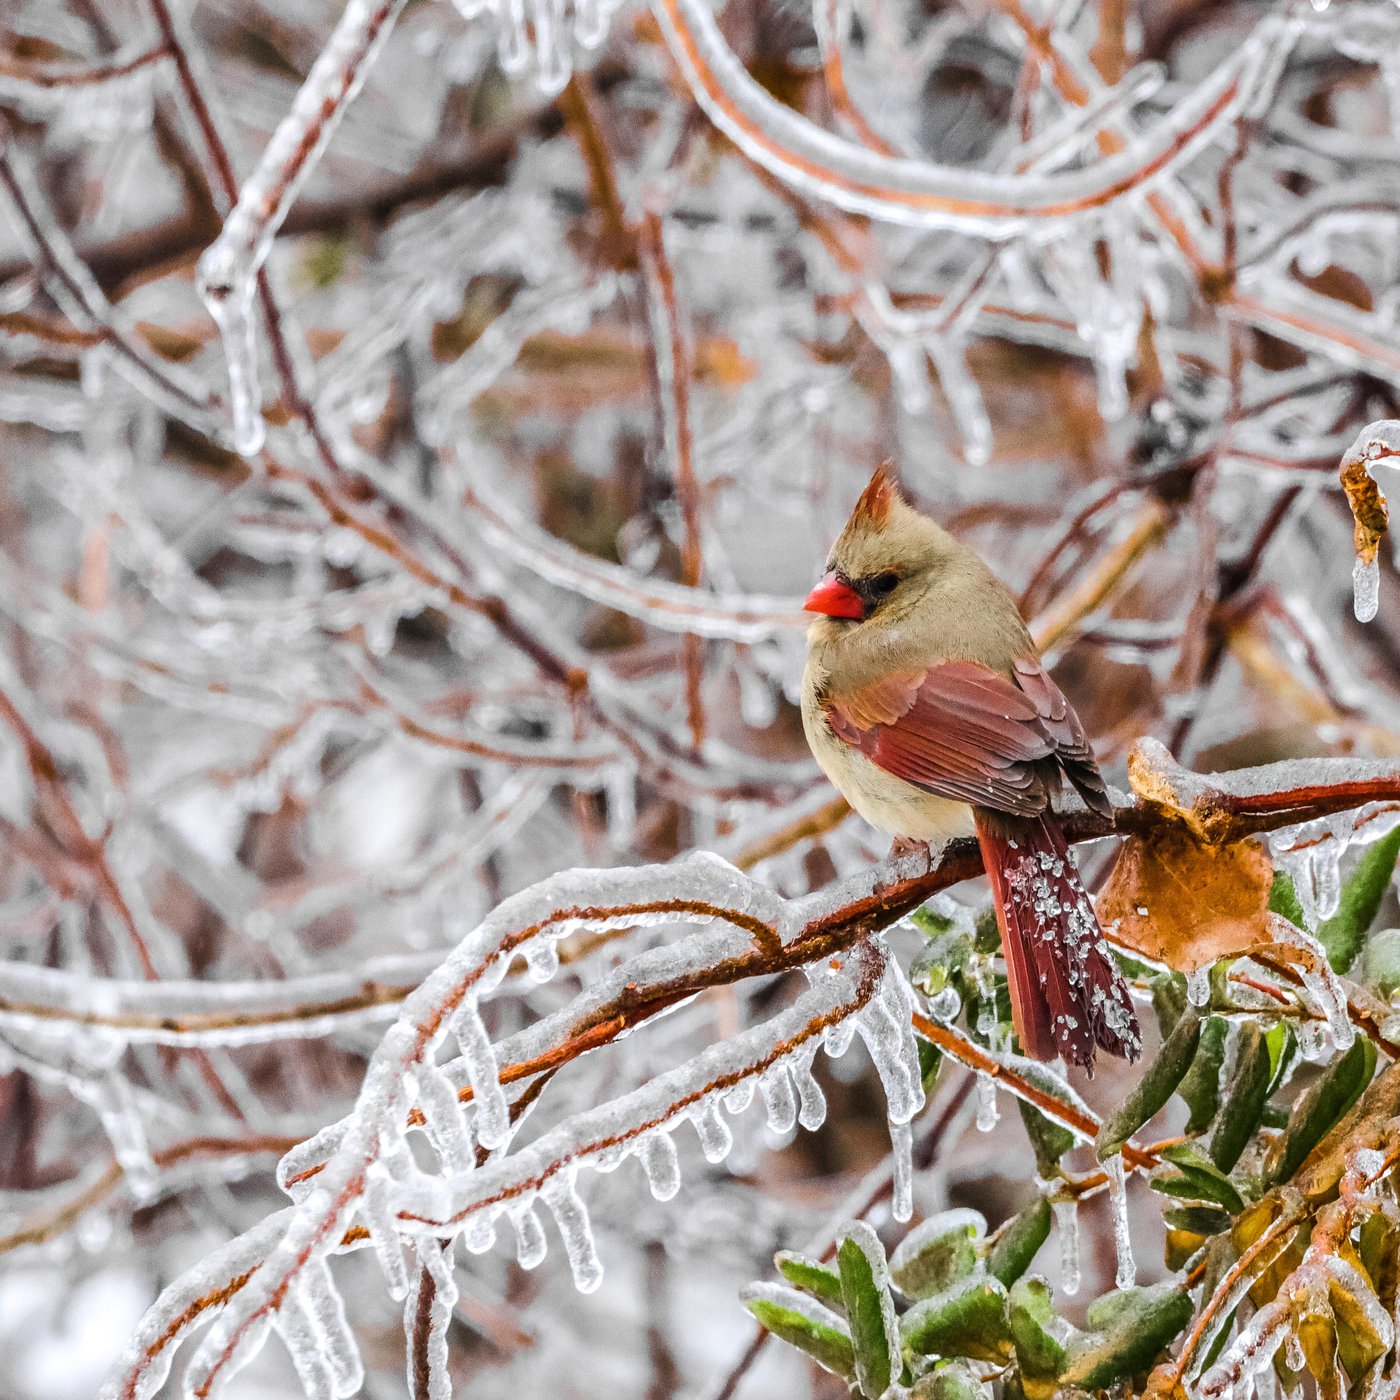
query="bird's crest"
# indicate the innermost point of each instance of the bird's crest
(878, 497)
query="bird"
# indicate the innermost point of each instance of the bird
(925, 702)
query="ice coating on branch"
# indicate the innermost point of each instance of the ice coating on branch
(1323, 986)
(435, 1258)
(1067, 1228)
(1122, 1235)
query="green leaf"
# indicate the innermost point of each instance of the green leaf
(806, 1325)
(1049, 1140)
(969, 1321)
(1382, 970)
(1155, 1087)
(941, 958)
(869, 1309)
(931, 923)
(1195, 1178)
(1200, 1089)
(1200, 1220)
(1030, 1314)
(1283, 899)
(1344, 934)
(1244, 1104)
(930, 1061)
(950, 1380)
(1168, 1000)
(1019, 1243)
(810, 1276)
(937, 1254)
(1283, 1050)
(1129, 1329)
(1321, 1106)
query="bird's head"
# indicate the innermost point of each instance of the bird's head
(884, 559)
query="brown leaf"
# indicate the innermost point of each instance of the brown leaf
(1178, 901)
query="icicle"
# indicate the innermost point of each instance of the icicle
(530, 1243)
(1198, 986)
(779, 1100)
(232, 310)
(492, 1121)
(838, 1039)
(1122, 1238)
(1366, 588)
(480, 1236)
(811, 1112)
(888, 1033)
(713, 1131)
(902, 1159)
(661, 1163)
(560, 1195)
(337, 1339)
(1293, 1353)
(446, 1125)
(1327, 876)
(296, 1325)
(377, 1216)
(1067, 1227)
(985, 1091)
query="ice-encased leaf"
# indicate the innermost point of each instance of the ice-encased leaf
(809, 1275)
(969, 1320)
(1150, 1094)
(870, 1315)
(937, 1253)
(1126, 1331)
(804, 1323)
(1248, 1073)
(1019, 1242)
(1320, 1106)
(1030, 1314)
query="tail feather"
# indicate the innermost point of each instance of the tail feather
(1067, 995)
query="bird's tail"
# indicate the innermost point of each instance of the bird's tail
(1067, 994)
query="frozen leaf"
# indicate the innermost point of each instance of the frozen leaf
(1030, 1313)
(950, 1380)
(1344, 934)
(1049, 1140)
(1320, 1107)
(1200, 1089)
(1180, 901)
(1019, 1242)
(1155, 1086)
(940, 1252)
(809, 1275)
(1250, 1075)
(804, 1324)
(1193, 1176)
(865, 1293)
(1126, 1330)
(1382, 963)
(969, 1320)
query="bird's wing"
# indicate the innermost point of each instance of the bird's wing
(965, 732)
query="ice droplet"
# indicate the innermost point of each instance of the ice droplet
(987, 1112)
(1198, 986)
(1067, 1227)
(530, 1243)
(1122, 1238)
(1366, 588)
(661, 1163)
(712, 1130)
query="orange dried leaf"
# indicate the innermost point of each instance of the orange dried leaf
(1181, 902)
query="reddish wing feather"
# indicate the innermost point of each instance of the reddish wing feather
(962, 731)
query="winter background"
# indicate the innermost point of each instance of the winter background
(419, 426)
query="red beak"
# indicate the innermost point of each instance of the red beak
(835, 598)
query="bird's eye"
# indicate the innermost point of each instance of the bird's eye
(884, 584)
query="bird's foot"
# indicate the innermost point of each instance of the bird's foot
(901, 847)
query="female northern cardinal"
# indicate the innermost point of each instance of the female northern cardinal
(924, 701)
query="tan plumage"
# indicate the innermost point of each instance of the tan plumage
(925, 703)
